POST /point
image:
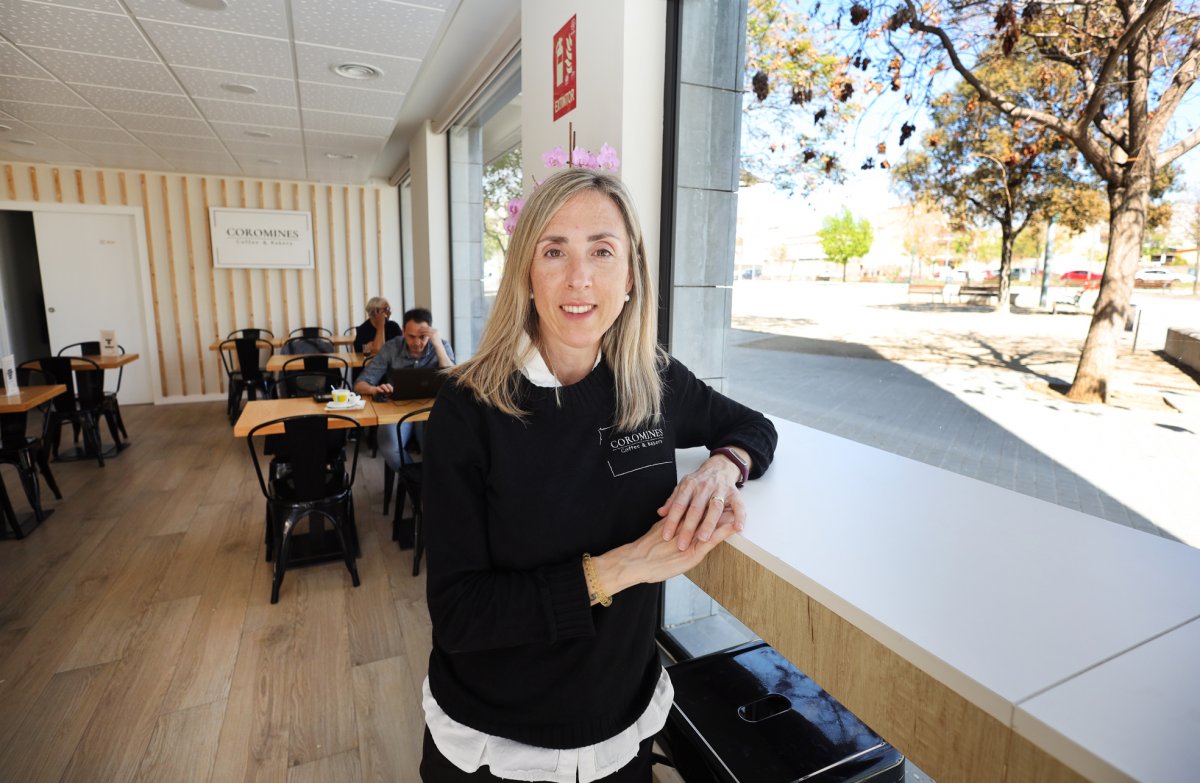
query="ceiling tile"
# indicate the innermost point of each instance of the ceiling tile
(14, 63)
(445, 5)
(202, 83)
(149, 122)
(282, 170)
(58, 27)
(64, 115)
(346, 123)
(231, 111)
(187, 160)
(18, 88)
(342, 142)
(17, 152)
(261, 17)
(249, 149)
(288, 161)
(374, 26)
(105, 71)
(41, 141)
(315, 63)
(137, 101)
(162, 142)
(68, 132)
(111, 6)
(216, 50)
(348, 100)
(234, 132)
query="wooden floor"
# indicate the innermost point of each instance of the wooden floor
(138, 643)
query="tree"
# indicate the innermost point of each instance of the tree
(501, 183)
(981, 169)
(1194, 235)
(797, 96)
(1132, 63)
(844, 238)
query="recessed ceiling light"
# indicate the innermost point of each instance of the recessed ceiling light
(356, 71)
(340, 156)
(209, 5)
(244, 89)
(258, 134)
(22, 141)
(271, 161)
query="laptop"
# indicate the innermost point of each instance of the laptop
(415, 384)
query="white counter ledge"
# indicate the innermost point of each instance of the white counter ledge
(934, 605)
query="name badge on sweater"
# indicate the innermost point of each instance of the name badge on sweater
(632, 451)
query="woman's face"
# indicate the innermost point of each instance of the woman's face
(580, 275)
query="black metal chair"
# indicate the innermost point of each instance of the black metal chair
(296, 346)
(82, 404)
(308, 480)
(315, 377)
(29, 455)
(252, 333)
(10, 516)
(245, 371)
(407, 481)
(311, 331)
(112, 408)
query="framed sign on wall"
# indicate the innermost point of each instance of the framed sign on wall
(261, 238)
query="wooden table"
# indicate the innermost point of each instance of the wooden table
(29, 398)
(392, 411)
(338, 340)
(988, 635)
(104, 362)
(276, 362)
(259, 411)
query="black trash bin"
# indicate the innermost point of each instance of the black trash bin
(747, 715)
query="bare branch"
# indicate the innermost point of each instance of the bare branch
(1113, 60)
(1181, 82)
(1172, 153)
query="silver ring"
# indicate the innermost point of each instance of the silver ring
(719, 500)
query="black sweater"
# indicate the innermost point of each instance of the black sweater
(510, 507)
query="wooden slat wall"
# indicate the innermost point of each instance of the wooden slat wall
(193, 303)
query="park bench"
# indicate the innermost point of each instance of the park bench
(979, 291)
(1084, 301)
(932, 289)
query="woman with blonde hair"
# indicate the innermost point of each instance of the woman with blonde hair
(379, 327)
(552, 510)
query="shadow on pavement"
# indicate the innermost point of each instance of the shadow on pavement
(853, 391)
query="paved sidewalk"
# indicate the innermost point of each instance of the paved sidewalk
(970, 391)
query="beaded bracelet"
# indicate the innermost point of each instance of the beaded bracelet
(595, 591)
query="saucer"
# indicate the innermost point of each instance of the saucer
(352, 405)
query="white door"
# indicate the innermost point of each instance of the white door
(90, 282)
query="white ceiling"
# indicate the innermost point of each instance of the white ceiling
(139, 83)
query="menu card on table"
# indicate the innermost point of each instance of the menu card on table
(108, 342)
(9, 367)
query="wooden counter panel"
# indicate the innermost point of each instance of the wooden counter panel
(943, 733)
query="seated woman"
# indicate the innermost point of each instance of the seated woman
(372, 333)
(556, 440)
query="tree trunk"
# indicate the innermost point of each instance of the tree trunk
(844, 265)
(1007, 239)
(1127, 221)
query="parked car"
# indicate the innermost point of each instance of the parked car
(1166, 275)
(1078, 276)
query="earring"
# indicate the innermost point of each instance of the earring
(531, 294)
(626, 297)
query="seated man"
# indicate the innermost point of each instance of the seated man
(417, 347)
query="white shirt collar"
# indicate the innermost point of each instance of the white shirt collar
(534, 367)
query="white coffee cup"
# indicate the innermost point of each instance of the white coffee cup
(341, 396)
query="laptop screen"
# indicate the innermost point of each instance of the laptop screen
(415, 384)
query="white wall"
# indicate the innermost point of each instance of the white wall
(619, 82)
(428, 161)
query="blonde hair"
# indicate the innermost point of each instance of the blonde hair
(376, 303)
(630, 346)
